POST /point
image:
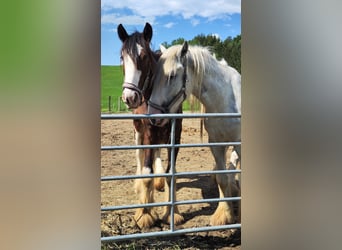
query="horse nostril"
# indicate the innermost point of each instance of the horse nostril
(127, 101)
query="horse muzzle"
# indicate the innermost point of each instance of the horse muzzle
(159, 122)
(131, 98)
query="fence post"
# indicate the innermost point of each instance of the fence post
(119, 103)
(110, 104)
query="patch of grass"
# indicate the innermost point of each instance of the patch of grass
(111, 86)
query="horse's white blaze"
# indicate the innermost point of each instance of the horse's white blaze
(132, 75)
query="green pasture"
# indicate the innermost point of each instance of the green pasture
(111, 88)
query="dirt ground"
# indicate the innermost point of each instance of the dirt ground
(116, 193)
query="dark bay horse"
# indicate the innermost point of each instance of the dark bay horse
(139, 63)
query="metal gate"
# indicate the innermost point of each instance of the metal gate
(172, 174)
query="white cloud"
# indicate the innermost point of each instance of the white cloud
(189, 9)
(195, 22)
(169, 25)
(127, 20)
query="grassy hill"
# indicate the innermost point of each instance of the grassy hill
(111, 86)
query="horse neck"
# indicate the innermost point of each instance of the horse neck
(213, 91)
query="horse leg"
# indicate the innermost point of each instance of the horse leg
(145, 217)
(238, 179)
(224, 213)
(178, 218)
(159, 182)
(139, 153)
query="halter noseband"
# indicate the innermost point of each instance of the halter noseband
(127, 85)
(181, 94)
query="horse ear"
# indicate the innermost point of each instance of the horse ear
(122, 33)
(184, 49)
(148, 32)
(162, 48)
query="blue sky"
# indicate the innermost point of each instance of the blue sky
(170, 19)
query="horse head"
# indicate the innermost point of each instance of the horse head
(138, 63)
(169, 82)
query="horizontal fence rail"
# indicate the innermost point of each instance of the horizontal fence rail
(180, 174)
(172, 174)
(170, 116)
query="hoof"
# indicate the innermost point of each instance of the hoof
(222, 216)
(144, 218)
(219, 220)
(178, 219)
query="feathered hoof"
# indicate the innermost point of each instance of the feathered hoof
(159, 184)
(178, 219)
(221, 217)
(144, 218)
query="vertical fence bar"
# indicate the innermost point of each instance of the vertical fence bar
(172, 169)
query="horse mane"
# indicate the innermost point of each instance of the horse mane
(199, 59)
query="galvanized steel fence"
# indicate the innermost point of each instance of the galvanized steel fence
(172, 174)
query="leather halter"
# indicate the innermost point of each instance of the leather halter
(127, 85)
(131, 86)
(181, 94)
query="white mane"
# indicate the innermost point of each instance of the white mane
(204, 65)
